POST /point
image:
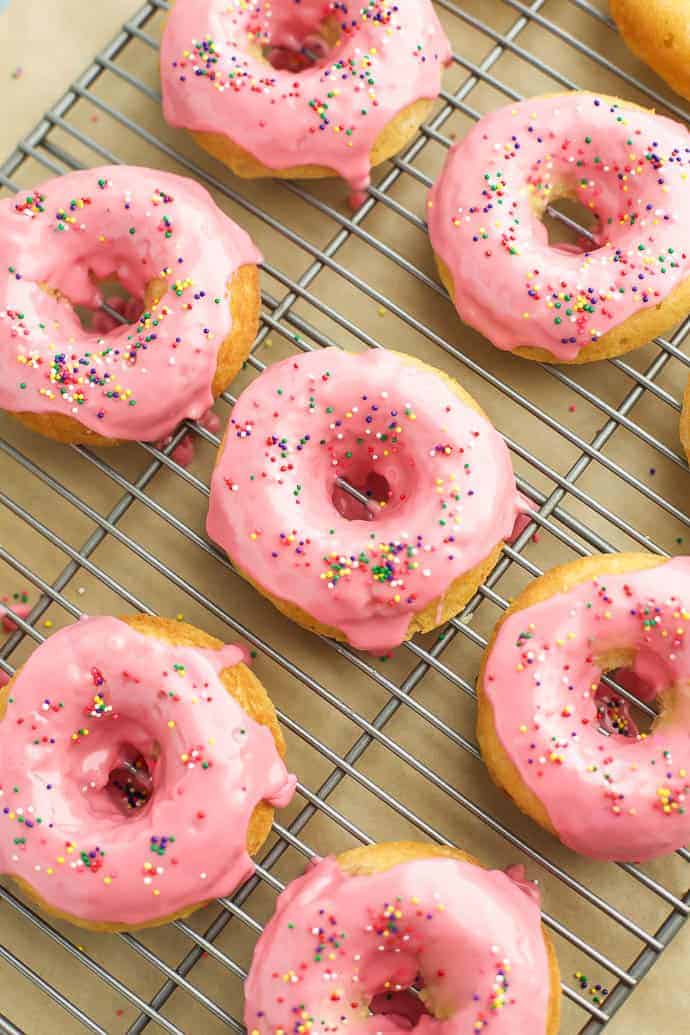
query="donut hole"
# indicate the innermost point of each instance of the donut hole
(404, 1007)
(373, 485)
(130, 782)
(101, 304)
(565, 219)
(296, 52)
(626, 695)
(120, 307)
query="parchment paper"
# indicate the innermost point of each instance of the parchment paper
(51, 43)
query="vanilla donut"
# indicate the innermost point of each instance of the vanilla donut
(543, 713)
(192, 270)
(658, 31)
(140, 761)
(630, 167)
(685, 421)
(377, 72)
(352, 937)
(438, 474)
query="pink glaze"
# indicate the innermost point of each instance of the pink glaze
(309, 419)
(471, 938)
(210, 765)
(630, 167)
(621, 797)
(214, 79)
(7, 615)
(133, 381)
(184, 453)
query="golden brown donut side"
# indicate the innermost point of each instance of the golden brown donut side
(242, 684)
(658, 32)
(245, 304)
(685, 421)
(381, 857)
(553, 583)
(639, 329)
(392, 139)
(439, 610)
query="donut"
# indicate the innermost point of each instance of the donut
(191, 270)
(658, 31)
(564, 746)
(438, 476)
(140, 763)
(685, 421)
(557, 304)
(235, 74)
(352, 938)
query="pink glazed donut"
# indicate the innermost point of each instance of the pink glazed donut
(192, 276)
(140, 760)
(351, 938)
(562, 744)
(439, 477)
(629, 166)
(235, 74)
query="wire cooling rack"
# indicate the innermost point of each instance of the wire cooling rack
(384, 747)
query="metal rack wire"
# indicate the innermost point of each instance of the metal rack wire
(570, 516)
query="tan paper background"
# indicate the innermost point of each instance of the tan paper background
(53, 42)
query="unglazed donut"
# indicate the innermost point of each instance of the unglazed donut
(191, 268)
(554, 303)
(361, 102)
(350, 937)
(658, 31)
(106, 698)
(439, 474)
(618, 797)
